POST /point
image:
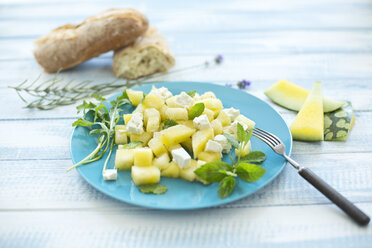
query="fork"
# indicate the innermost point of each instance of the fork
(348, 207)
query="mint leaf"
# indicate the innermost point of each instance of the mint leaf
(249, 172)
(213, 171)
(155, 188)
(191, 93)
(131, 145)
(242, 134)
(249, 135)
(169, 123)
(232, 140)
(196, 110)
(255, 156)
(226, 187)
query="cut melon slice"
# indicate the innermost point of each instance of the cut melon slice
(309, 122)
(292, 97)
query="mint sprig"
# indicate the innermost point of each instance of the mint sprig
(196, 110)
(225, 174)
(169, 123)
(155, 188)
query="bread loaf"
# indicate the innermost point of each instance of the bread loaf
(148, 55)
(71, 44)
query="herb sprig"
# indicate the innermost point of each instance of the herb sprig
(245, 167)
(55, 92)
(101, 121)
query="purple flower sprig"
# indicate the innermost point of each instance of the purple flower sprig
(242, 84)
(218, 59)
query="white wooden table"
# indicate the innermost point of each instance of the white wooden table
(263, 41)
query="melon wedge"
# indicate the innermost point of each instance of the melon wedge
(292, 97)
(309, 122)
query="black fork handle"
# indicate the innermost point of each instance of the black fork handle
(347, 206)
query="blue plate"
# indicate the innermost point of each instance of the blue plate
(182, 194)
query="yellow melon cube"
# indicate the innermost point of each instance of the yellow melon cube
(153, 101)
(127, 118)
(224, 118)
(187, 173)
(217, 127)
(210, 156)
(188, 123)
(175, 135)
(139, 109)
(187, 145)
(246, 149)
(245, 120)
(213, 104)
(124, 159)
(176, 114)
(209, 113)
(143, 156)
(162, 162)
(171, 148)
(144, 137)
(162, 111)
(152, 119)
(157, 147)
(145, 175)
(200, 139)
(173, 170)
(120, 135)
(208, 94)
(135, 96)
(171, 102)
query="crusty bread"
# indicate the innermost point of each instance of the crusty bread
(71, 44)
(148, 55)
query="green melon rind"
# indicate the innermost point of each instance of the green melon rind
(337, 124)
(288, 101)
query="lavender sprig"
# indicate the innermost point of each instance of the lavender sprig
(55, 92)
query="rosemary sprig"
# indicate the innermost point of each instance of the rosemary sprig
(55, 92)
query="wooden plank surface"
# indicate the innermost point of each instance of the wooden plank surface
(263, 41)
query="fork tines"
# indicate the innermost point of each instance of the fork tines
(267, 137)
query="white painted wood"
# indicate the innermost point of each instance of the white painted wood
(262, 41)
(257, 42)
(42, 19)
(296, 67)
(285, 226)
(45, 184)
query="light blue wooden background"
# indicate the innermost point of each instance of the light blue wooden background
(43, 206)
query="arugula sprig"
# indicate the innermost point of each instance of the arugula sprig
(101, 121)
(245, 167)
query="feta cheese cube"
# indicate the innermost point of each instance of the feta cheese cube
(162, 92)
(202, 122)
(181, 157)
(110, 174)
(184, 99)
(213, 146)
(232, 113)
(221, 139)
(135, 125)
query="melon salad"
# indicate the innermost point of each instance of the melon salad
(173, 135)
